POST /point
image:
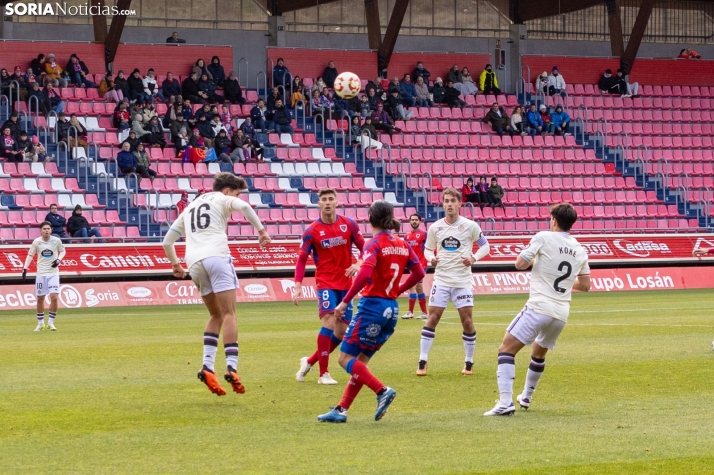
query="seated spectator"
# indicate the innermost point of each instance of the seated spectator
(217, 124)
(226, 119)
(24, 145)
(281, 75)
(207, 90)
(42, 103)
(421, 72)
(57, 221)
(176, 125)
(137, 126)
(330, 74)
(396, 108)
(297, 88)
(53, 99)
(148, 112)
(517, 121)
(469, 194)
(126, 160)
(156, 137)
(143, 163)
(133, 141)
(407, 94)
(222, 146)
(189, 87)
(423, 96)
(20, 78)
(5, 83)
(183, 202)
(81, 133)
(109, 90)
(556, 83)
(53, 72)
(217, 71)
(365, 108)
(281, 118)
(318, 85)
(181, 141)
(548, 127)
(608, 83)
(79, 227)
(14, 123)
(205, 129)
(488, 82)
(382, 121)
(9, 149)
(38, 67)
(320, 103)
(250, 133)
(273, 97)
(196, 141)
(368, 138)
(78, 71)
(451, 96)
(468, 88)
(534, 123)
(356, 130)
(687, 53)
(455, 77)
(200, 68)
(232, 90)
(627, 89)
(121, 116)
(62, 127)
(136, 88)
(38, 152)
(151, 88)
(261, 117)
(484, 195)
(30, 77)
(373, 99)
(375, 85)
(204, 111)
(241, 146)
(438, 91)
(123, 84)
(560, 120)
(174, 38)
(496, 192)
(170, 86)
(499, 120)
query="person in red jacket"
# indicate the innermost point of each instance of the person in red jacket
(469, 194)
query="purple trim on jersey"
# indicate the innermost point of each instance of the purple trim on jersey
(482, 241)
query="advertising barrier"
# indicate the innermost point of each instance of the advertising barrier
(183, 292)
(149, 259)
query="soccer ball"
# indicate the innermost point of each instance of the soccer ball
(347, 85)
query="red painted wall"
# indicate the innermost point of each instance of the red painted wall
(663, 72)
(20, 53)
(311, 62)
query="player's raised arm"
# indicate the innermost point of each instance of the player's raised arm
(252, 217)
(174, 233)
(430, 247)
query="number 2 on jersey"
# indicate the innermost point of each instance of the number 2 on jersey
(395, 268)
(199, 219)
(568, 271)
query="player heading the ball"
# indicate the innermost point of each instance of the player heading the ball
(50, 251)
(452, 238)
(210, 265)
(560, 264)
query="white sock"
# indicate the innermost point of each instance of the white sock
(469, 345)
(427, 338)
(41, 318)
(505, 375)
(231, 350)
(535, 371)
(52, 316)
(210, 347)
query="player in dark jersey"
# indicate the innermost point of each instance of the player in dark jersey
(329, 240)
(417, 241)
(386, 256)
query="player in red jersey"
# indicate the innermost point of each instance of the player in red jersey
(329, 240)
(417, 241)
(386, 256)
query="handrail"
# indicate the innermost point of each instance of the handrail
(23, 117)
(297, 113)
(322, 124)
(148, 218)
(127, 197)
(5, 105)
(406, 184)
(272, 66)
(641, 168)
(51, 114)
(265, 85)
(523, 90)
(602, 140)
(389, 157)
(528, 68)
(706, 202)
(684, 187)
(344, 145)
(43, 131)
(72, 129)
(37, 106)
(380, 159)
(605, 128)
(665, 174)
(646, 153)
(625, 147)
(659, 176)
(408, 161)
(426, 202)
(473, 210)
(63, 147)
(17, 89)
(431, 182)
(240, 61)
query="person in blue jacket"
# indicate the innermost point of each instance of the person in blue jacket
(561, 121)
(407, 91)
(281, 75)
(534, 124)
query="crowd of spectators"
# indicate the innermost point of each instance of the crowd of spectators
(482, 193)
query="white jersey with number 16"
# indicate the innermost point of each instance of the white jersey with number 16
(558, 259)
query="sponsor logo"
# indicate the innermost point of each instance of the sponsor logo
(333, 242)
(343, 228)
(509, 249)
(70, 296)
(464, 297)
(326, 304)
(256, 289)
(641, 248)
(373, 330)
(599, 248)
(94, 299)
(47, 253)
(451, 244)
(701, 242)
(138, 292)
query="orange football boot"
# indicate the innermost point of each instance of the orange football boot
(233, 378)
(208, 377)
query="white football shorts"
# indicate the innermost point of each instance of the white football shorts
(530, 326)
(440, 296)
(46, 284)
(214, 274)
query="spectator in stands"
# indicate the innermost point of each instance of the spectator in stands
(517, 121)
(183, 202)
(38, 152)
(24, 145)
(137, 126)
(608, 83)
(365, 108)
(217, 124)
(484, 195)
(496, 193)
(356, 130)
(451, 96)
(423, 96)
(20, 78)
(469, 194)
(217, 71)
(200, 68)
(79, 227)
(176, 125)
(382, 121)
(81, 133)
(43, 103)
(330, 74)
(170, 86)
(151, 88)
(148, 112)
(226, 119)
(273, 97)
(556, 83)
(541, 84)
(109, 90)
(30, 77)
(498, 119)
(14, 124)
(369, 135)
(316, 103)
(132, 140)
(548, 127)
(560, 120)
(53, 98)
(281, 75)
(468, 88)
(38, 66)
(438, 91)
(77, 71)
(376, 85)
(395, 107)
(232, 90)
(407, 94)
(627, 89)
(341, 106)
(488, 82)
(57, 221)
(9, 149)
(204, 111)
(258, 113)
(687, 53)
(157, 133)
(174, 38)
(207, 89)
(318, 85)
(281, 118)
(143, 161)
(196, 141)
(189, 87)
(121, 117)
(455, 78)
(123, 84)
(205, 128)
(297, 88)
(250, 133)
(62, 127)
(136, 88)
(533, 121)
(421, 72)
(181, 141)
(126, 161)
(5, 83)
(241, 146)
(53, 72)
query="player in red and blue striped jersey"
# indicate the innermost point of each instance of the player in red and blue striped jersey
(416, 239)
(329, 240)
(386, 256)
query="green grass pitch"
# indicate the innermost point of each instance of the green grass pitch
(628, 389)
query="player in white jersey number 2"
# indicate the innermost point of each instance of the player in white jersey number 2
(452, 238)
(560, 264)
(49, 251)
(210, 265)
